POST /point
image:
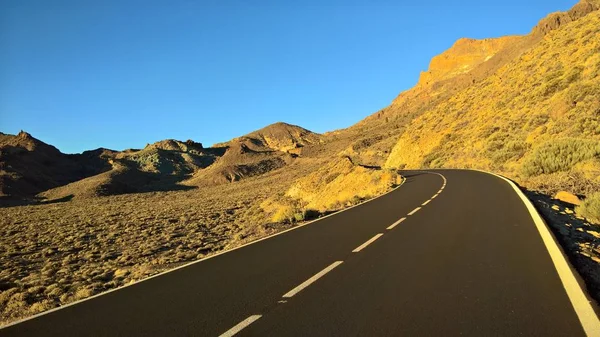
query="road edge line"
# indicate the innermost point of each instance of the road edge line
(579, 300)
(200, 260)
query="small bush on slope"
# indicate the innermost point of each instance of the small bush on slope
(560, 155)
(590, 208)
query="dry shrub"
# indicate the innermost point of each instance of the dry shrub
(590, 208)
(351, 183)
(560, 155)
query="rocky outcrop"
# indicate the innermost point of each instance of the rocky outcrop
(463, 57)
(556, 20)
(277, 137)
(29, 166)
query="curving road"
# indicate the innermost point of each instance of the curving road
(447, 255)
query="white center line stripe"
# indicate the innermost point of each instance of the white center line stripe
(240, 326)
(414, 211)
(440, 191)
(361, 247)
(312, 279)
(426, 202)
(396, 223)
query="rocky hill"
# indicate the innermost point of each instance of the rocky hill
(541, 106)
(462, 57)
(31, 167)
(277, 137)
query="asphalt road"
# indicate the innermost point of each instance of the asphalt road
(469, 262)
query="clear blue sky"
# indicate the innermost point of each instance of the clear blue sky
(118, 74)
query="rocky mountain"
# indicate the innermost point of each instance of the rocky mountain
(277, 137)
(539, 107)
(508, 104)
(465, 55)
(256, 153)
(497, 103)
(31, 167)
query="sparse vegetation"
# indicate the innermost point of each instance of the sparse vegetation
(341, 183)
(56, 253)
(560, 155)
(535, 118)
(338, 184)
(590, 208)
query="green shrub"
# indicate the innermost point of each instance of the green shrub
(536, 120)
(579, 91)
(435, 159)
(512, 150)
(560, 155)
(588, 126)
(298, 216)
(590, 208)
(284, 213)
(573, 74)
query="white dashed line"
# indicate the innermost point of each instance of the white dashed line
(361, 247)
(426, 202)
(241, 325)
(440, 191)
(396, 223)
(414, 211)
(312, 279)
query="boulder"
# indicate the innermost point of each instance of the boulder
(568, 197)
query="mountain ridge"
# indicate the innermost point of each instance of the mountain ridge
(163, 165)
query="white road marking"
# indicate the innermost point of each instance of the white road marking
(370, 241)
(414, 211)
(426, 202)
(396, 223)
(241, 325)
(312, 279)
(440, 191)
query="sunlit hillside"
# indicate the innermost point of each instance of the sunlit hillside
(537, 118)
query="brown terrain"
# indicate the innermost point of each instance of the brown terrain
(527, 107)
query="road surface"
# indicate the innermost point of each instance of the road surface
(447, 255)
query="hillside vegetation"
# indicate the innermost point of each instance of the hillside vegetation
(336, 184)
(536, 119)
